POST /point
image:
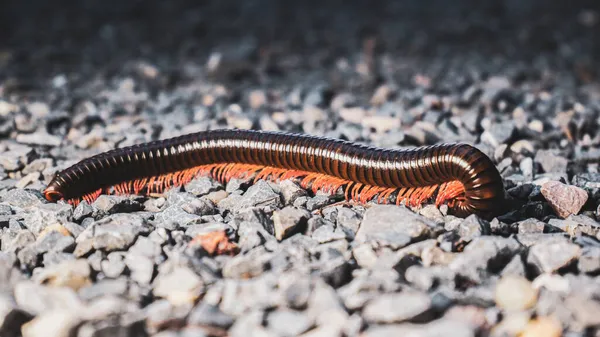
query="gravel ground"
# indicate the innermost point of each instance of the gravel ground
(271, 259)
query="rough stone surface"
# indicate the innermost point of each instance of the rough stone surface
(565, 200)
(517, 80)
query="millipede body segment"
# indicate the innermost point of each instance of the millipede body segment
(457, 174)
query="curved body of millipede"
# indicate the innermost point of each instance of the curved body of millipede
(456, 174)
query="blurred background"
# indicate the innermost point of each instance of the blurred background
(37, 37)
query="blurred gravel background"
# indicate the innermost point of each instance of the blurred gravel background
(518, 79)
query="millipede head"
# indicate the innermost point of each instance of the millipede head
(52, 194)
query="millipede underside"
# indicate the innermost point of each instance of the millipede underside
(448, 192)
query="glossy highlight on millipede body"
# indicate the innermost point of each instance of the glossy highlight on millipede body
(457, 174)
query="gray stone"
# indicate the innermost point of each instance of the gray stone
(576, 225)
(335, 271)
(38, 218)
(552, 255)
(288, 221)
(484, 254)
(296, 289)
(318, 201)
(250, 264)
(140, 266)
(202, 186)
(589, 262)
(551, 161)
(53, 258)
(590, 181)
(500, 133)
(21, 239)
(349, 219)
(367, 286)
(111, 204)
(531, 226)
(425, 278)
(210, 315)
(161, 313)
(179, 286)
(174, 217)
(28, 257)
(37, 299)
(54, 242)
(327, 233)
(104, 288)
(14, 159)
(290, 192)
(115, 232)
(114, 265)
(260, 194)
(440, 327)
(252, 234)
(473, 227)
(392, 224)
(38, 165)
(584, 310)
(400, 307)
(515, 267)
(288, 322)
(21, 198)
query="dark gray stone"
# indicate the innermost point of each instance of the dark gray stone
(111, 204)
(202, 186)
(174, 217)
(260, 194)
(288, 221)
(252, 234)
(349, 219)
(290, 192)
(11, 317)
(318, 201)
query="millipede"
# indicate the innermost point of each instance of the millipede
(458, 175)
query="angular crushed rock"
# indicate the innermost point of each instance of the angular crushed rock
(308, 264)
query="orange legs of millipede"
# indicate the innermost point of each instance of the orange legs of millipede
(223, 173)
